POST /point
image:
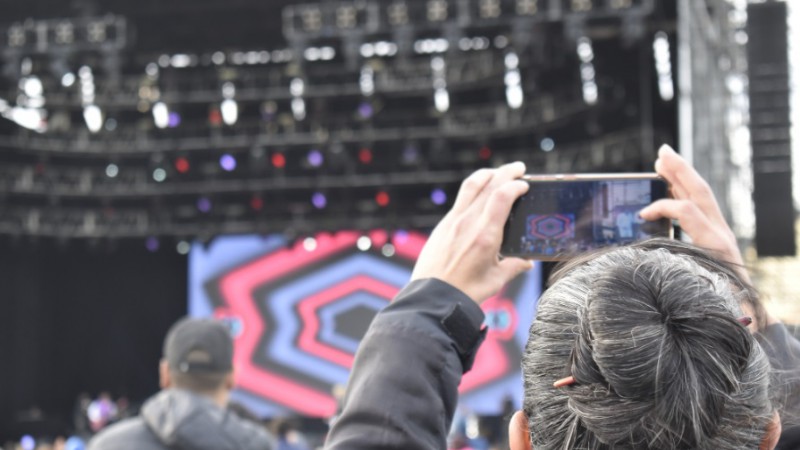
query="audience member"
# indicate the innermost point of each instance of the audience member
(645, 346)
(190, 412)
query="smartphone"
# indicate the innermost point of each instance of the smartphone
(563, 215)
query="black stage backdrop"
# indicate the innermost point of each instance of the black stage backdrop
(79, 319)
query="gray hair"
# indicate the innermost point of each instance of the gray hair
(651, 336)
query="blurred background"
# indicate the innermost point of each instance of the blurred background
(150, 150)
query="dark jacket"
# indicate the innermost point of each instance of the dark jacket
(180, 420)
(403, 388)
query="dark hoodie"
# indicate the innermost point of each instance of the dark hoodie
(180, 420)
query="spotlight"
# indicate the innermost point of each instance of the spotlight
(400, 237)
(547, 144)
(112, 170)
(182, 164)
(388, 250)
(93, 117)
(485, 153)
(161, 115)
(159, 175)
(410, 154)
(663, 66)
(365, 155)
(319, 200)
(151, 244)
(364, 243)
(230, 111)
(310, 244)
(68, 79)
(366, 110)
(227, 162)
(278, 160)
(315, 158)
(256, 203)
(437, 10)
(438, 197)
(183, 247)
(382, 199)
(204, 204)
(174, 120)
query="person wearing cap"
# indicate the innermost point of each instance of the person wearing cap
(196, 377)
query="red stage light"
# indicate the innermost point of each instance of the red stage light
(182, 165)
(278, 160)
(485, 152)
(215, 117)
(256, 203)
(382, 199)
(365, 155)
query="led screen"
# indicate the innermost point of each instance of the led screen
(298, 310)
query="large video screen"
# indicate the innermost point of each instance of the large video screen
(299, 309)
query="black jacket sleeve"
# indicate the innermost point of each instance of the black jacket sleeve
(402, 391)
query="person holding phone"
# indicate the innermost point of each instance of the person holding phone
(403, 389)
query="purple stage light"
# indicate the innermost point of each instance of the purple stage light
(365, 110)
(410, 154)
(315, 158)
(438, 197)
(151, 244)
(203, 204)
(400, 237)
(227, 162)
(173, 120)
(318, 200)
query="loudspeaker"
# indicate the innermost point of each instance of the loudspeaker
(768, 71)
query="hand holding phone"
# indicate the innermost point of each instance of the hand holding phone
(563, 215)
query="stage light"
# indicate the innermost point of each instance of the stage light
(230, 111)
(527, 7)
(580, 5)
(365, 155)
(398, 13)
(310, 244)
(159, 175)
(366, 110)
(437, 10)
(27, 442)
(485, 153)
(438, 197)
(68, 79)
(256, 202)
(183, 247)
(400, 237)
(151, 70)
(586, 55)
(489, 9)
(327, 53)
(160, 115)
(621, 4)
(364, 243)
(16, 36)
(382, 199)
(441, 98)
(112, 170)
(346, 16)
(547, 144)
(93, 117)
(315, 158)
(663, 60)
(182, 164)
(96, 32)
(388, 250)
(152, 244)
(203, 204)
(319, 200)
(410, 154)
(513, 81)
(298, 108)
(32, 86)
(366, 81)
(227, 162)
(218, 58)
(174, 120)
(278, 160)
(500, 42)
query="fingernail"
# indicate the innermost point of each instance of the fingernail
(657, 165)
(665, 149)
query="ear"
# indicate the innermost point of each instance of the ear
(164, 378)
(519, 436)
(773, 433)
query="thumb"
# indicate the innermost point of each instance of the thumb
(511, 267)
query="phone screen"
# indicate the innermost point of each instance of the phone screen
(557, 219)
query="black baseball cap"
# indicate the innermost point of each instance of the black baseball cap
(199, 346)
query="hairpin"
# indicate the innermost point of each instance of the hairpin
(568, 381)
(745, 320)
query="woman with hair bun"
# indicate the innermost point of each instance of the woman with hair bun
(658, 345)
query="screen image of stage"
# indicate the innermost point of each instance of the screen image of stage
(298, 311)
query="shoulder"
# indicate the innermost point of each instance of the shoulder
(130, 433)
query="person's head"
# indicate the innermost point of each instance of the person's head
(198, 356)
(651, 336)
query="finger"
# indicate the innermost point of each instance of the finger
(499, 206)
(686, 212)
(510, 268)
(471, 187)
(681, 174)
(676, 189)
(503, 175)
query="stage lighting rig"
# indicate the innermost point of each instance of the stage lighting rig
(78, 34)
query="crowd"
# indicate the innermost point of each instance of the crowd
(654, 345)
